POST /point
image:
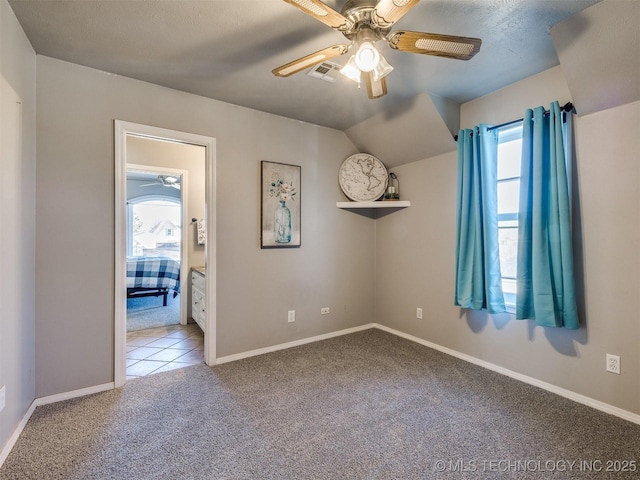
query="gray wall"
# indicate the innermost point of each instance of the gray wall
(75, 223)
(17, 220)
(416, 247)
(335, 266)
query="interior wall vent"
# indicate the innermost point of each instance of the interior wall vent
(328, 71)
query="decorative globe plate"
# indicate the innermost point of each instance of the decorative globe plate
(363, 178)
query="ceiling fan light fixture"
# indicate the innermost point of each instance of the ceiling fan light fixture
(382, 69)
(366, 22)
(351, 70)
(367, 57)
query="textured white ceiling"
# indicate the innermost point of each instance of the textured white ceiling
(226, 49)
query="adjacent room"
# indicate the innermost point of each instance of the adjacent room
(165, 198)
(343, 199)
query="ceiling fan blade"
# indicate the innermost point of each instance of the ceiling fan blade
(450, 46)
(164, 181)
(375, 89)
(323, 12)
(310, 60)
(161, 184)
(168, 180)
(388, 12)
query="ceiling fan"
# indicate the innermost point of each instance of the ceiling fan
(165, 181)
(365, 22)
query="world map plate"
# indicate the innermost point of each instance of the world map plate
(363, 178)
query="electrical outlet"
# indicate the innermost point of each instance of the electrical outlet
(613, 363)
(419, 313)
(3, 396)
(291, 316)
(325, 311)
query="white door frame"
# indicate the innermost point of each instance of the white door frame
(122, 129)
(184, 235)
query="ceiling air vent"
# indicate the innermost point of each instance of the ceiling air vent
(328, 71)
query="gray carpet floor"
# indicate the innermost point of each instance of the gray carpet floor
(368, 405)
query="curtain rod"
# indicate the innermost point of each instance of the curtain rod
(567, 107)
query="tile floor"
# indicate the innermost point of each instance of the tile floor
(164, 348)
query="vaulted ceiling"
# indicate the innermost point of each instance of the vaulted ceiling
(226, 50)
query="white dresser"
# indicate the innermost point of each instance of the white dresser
(198, 296)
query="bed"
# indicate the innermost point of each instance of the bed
(152, 277)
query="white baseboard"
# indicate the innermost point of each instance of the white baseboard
(296, 343)
(6, 449)
(59, 397)
(16, 433)
(576, 397)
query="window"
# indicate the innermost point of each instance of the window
(154, 226)
(509, 159)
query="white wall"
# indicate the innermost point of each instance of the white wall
(75, 223)
(415, 256)
(17, 222)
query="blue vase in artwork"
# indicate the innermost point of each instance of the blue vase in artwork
(282, 224)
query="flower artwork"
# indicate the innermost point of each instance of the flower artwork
(281, 189)
(280, 206)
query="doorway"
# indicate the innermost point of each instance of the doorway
(156, 238)
(127, 135)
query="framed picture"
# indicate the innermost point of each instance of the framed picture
(280, 205)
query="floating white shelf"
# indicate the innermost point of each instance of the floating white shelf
(374, 209)
(380, 204)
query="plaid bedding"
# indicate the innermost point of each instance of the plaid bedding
(153, 272)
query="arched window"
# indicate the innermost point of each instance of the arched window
(154, 226)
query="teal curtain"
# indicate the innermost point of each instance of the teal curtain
(478, 282)
(545, 283)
